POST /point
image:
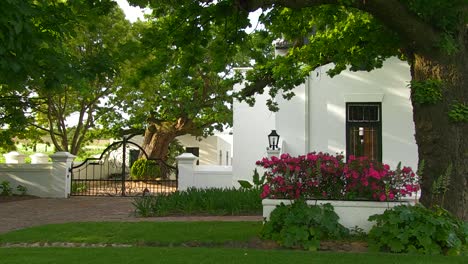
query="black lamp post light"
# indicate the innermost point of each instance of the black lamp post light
(273, 139)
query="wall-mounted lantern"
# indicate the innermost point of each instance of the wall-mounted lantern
(273, 139)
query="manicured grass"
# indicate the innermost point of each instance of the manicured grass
(170, 237)
(161, 233)
(140, 255)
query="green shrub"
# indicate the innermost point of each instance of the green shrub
(302, 226)
(415, 229)
(144, 169)
(5, 189)
(193, 201)
(79, 187)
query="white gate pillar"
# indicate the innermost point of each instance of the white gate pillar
(60, 180)
(186, 165)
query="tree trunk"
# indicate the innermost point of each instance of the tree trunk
(441, 141)
(156, 142)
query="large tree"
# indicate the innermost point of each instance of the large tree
(432, 35)
(177, 82)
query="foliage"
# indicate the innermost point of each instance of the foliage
(193, 201)
(427, 91)
(35, 52)
(176, 84)
(302, 226)
(143, 169)
(79, 187)
(459, 112)
(6, 189)
(415, 229)
(324, 176)
(440, 187)
(175, 149)
(257, 181)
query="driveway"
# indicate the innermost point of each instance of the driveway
(33, 212)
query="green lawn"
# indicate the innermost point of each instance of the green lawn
(141, 255)
(170, 238)
(162, 233)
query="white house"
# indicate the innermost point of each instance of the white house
(212, 150)
(360, 113)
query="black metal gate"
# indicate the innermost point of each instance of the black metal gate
(110, 174)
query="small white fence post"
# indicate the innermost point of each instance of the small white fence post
(39, 158)
(186, 165)
(14, 158)
(61, 175)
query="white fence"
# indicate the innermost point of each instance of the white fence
(40, 178)
(202, 176)
(53, 179)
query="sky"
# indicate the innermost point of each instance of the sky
(132, 13)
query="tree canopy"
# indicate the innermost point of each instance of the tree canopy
(37, 60)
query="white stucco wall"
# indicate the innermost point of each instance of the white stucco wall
(251, 127)
(291, 122)
(388, 85)
(209, 147)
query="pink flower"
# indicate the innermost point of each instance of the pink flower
(373, 173)
(382, 197)
(266, 191)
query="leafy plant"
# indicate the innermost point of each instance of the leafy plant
(440, 186)
(257, 181)
(302, 226)
(427, 92)
(416, 229)
(459, 113)
(79, 187)
(144, 169)
(214, 201)
(22, 189)
(5, 189)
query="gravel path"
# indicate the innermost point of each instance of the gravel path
(26, 213)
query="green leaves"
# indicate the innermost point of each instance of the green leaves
(302, 226)
(415, 229)
(459, 112)
(427, 92)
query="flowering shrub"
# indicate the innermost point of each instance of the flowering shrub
(324, 176)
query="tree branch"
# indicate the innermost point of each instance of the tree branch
(417, 34)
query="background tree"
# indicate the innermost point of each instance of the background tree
(432, 35)
(33, 53)
(95, 54)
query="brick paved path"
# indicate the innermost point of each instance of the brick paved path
(26, 213)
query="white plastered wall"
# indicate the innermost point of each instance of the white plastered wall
(388, 85)
(251, 127)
